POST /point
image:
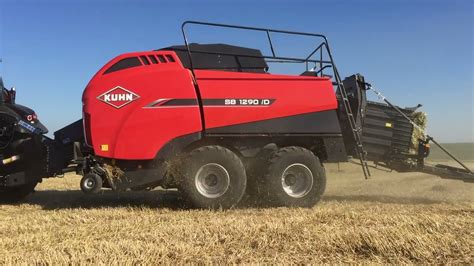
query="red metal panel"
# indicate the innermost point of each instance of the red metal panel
(293, 95)
(132, 131)
(124, 124)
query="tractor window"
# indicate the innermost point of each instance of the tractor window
(124, 64)
(5, 96)
(1, 95)
(2, 88)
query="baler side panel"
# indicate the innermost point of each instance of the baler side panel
(265, 97)
(138, 130)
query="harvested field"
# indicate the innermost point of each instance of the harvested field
(461, 150)
(392, 218)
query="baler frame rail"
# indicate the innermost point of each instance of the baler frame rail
(355, 130)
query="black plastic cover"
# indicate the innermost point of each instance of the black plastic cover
(70, 133)
(221, 57)
(124, 64)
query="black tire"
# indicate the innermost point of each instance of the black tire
(213, 178)
(91, 183)
(16, 194)
(294, 178)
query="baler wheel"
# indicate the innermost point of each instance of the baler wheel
(16, 194)
(214, 177)
(91, 183)
(294, 178)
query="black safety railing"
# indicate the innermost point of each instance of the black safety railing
(273, 58)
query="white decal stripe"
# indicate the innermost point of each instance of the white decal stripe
(157, 103)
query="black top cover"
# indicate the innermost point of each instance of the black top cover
(221, 57)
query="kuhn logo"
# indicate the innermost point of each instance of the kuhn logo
(118, 97)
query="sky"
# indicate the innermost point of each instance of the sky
(413, 51)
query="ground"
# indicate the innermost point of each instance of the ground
(390, 218)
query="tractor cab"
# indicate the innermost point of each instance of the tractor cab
(6, 96)
(17, 117)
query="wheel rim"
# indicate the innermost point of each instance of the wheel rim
(297, 180)
(212, 180)
(89, 183)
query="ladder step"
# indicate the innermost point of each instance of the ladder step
(355, 129)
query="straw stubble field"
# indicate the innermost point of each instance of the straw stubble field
(394, 218)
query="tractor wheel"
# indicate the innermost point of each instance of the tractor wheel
(16, 194)
(91, 183)
(213, 177)
(294, 178)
